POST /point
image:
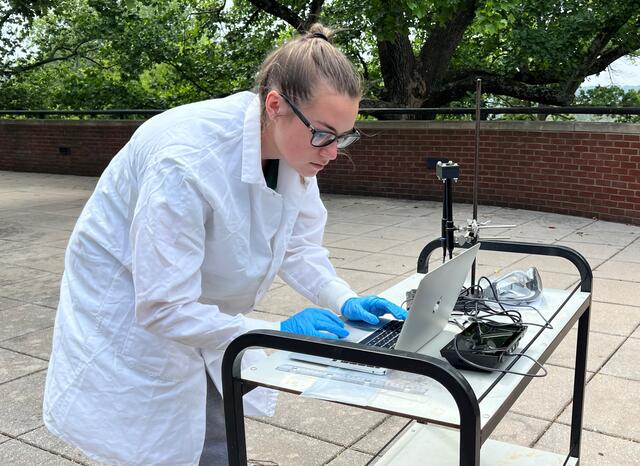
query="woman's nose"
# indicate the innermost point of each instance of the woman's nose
(330, 152)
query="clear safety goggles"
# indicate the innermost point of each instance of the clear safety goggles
(516, 287)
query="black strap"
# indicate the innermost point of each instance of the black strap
(319, 35)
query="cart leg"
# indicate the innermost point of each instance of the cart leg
(579, 383)
(234, 420)
(469, 442)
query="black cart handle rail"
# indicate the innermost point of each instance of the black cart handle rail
(555, 250)
(234, 387)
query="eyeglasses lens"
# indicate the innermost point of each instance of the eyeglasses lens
(322, 138)
(347, 139)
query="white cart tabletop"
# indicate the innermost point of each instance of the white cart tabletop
(496, 392)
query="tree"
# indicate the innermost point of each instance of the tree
(16, 17)
(412, 53)
(611, 96)
(431, 52)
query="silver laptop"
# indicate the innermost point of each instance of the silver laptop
(432, 305)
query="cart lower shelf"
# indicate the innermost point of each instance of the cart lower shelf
(426, 444)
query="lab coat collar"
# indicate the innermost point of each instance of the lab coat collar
(251, 157)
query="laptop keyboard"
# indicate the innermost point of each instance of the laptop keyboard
(386, 336)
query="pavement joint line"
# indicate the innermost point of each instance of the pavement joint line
(616, 279)
(272, 313)
(25, 334)
(371, 429)
(575, 230)
(23, 354)
(616, 436)
(388, 442)
(370, 271)
(611, 356)
(22, 335)
(17, 303)
(588, 377)
(23, 376)
(15, 437)
(37, 225)
(337, 455)
(27, 267)
(28, 302)
(55, 453)
(296, 431)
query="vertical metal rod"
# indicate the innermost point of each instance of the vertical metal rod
(476, 161)
(476, 169)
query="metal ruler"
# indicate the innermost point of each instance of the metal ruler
(396, 383)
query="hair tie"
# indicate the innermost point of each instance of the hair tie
(319, 35)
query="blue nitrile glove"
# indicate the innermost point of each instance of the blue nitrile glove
(315, 323)
(369, 308)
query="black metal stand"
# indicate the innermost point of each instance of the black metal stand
(234, 387)
(448, 173)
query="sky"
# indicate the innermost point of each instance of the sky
(623, 72)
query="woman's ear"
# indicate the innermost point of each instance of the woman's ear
(273, 105)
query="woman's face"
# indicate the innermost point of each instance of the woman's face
(288, 138)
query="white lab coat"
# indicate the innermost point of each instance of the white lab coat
(180, 238)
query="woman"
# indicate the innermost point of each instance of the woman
(185, 232)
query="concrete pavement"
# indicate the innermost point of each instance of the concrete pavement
(374, 243)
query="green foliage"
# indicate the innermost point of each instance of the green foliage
(136, 54)
(80, 54)
(611, 96)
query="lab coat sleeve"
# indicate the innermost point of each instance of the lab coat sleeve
(306, 267)
(167, 241)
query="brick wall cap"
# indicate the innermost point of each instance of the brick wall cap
(576, 126)
(85, 123)
(564, 126)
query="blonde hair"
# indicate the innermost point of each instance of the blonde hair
(297, 67)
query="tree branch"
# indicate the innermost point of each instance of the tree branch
(314, 13)
(612, 54)
(376, 103)
(279, 11)
(52, 58)
(608, 57)
(397, 65)
(497, 85)
(435, 54)
(185, 75)
(598, 44)
(365, 68)
(5, 18)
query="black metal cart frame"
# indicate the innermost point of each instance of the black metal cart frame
(234, 387)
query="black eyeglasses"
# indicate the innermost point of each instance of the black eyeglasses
(324, 138)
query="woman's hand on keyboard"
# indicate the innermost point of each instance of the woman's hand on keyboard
(370, 308)
(316, 323)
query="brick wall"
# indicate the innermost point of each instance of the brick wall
(586, 169)
(62, 146)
